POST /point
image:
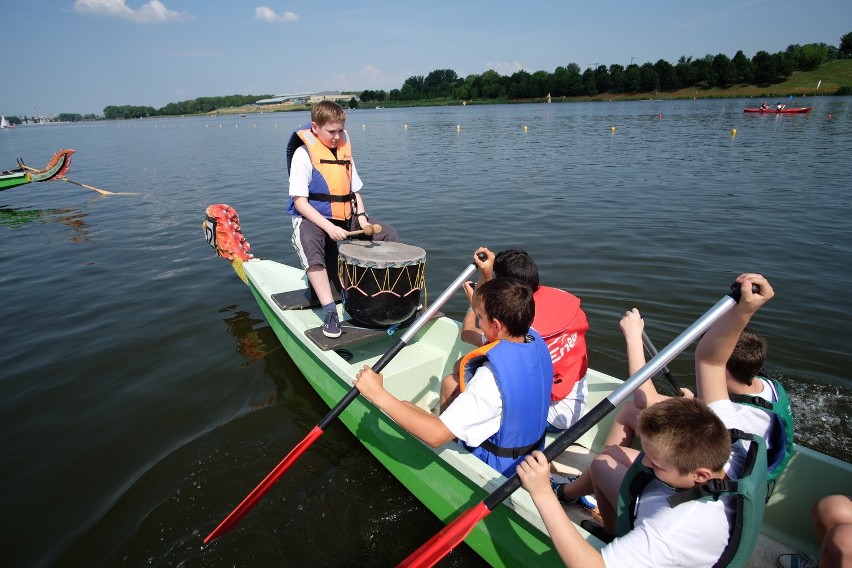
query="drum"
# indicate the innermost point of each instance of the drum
(382, 281)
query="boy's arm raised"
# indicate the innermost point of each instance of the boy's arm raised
(718, 343)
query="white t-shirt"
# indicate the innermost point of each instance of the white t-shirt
(475, 414)
(754, 420)
(564, 413)
(301, 170)
(693, 534)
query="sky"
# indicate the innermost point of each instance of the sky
(79, 56)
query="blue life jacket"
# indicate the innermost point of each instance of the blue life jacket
(524, 374)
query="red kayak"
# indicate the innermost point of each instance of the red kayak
(791, 110)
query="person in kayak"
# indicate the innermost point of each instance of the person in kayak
(559, 319)
(325, 200)
(764, 106)
(500, 414)
(687, 444)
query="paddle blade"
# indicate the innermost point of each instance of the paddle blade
(264, 486)
(442, 543)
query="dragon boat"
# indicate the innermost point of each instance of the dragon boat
(55, 169)
(772, 110)
(449, 480)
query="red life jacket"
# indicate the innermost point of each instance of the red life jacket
(563, 325)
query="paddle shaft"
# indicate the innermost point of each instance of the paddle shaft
(63, 178)
(442, 543)
(401, 342)
(258, 492)
(665, 370)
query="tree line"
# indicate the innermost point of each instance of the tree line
(763, 69)
(194, 106)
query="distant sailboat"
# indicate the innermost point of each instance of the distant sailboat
(3, 122)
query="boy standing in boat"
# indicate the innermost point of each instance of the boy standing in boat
(500, 414)
(687, 444)
(559, 319)
(325, 199)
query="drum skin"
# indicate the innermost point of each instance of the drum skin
(382, 281)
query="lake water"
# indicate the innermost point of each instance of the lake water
(142, 394)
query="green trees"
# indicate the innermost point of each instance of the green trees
(845, 46)
(570, 81)
(194, 106)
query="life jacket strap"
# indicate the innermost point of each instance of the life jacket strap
(336, 162)
(328, 198)
(513, 453)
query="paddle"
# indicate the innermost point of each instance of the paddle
(451, 535)
(652, 351)
(63, 178)
(258, 492)
(369, 230)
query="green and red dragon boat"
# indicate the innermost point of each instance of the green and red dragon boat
(449, 480)
(55, 169)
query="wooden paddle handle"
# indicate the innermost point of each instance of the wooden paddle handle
(369, 230)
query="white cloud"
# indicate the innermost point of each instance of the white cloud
(268, 15)
(152, 12)
(504, 67)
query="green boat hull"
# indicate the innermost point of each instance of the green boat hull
(13, 180)
(502, 539)
(449, 480)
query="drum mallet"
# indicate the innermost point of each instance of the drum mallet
(369, 230)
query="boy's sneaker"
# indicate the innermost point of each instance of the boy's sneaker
(331, 325)
(558, 482)
(796, 561)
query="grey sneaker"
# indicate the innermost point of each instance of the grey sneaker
(331, 325)
(796, 561)
(558, 482)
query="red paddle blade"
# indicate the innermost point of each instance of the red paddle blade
(264, 486)
(450, 536)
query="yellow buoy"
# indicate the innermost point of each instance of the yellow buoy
(526, 128)
(734, 132)
(458, 127)
(612, 129)
(405, 127)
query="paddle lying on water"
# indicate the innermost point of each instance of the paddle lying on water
(652, 351)
(258, 492)
(455, 532)
(63, 178)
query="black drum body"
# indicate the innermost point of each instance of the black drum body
(382, 281)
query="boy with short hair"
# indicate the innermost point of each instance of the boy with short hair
(325, 198)
(501, 411)
(559, 319)
(686, 444)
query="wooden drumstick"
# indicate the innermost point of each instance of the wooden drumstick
(369, 230)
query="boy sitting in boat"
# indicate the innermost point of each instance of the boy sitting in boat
(559, 319)
(500, 414)
(687, 444)
(761, 403)
(325, 199)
